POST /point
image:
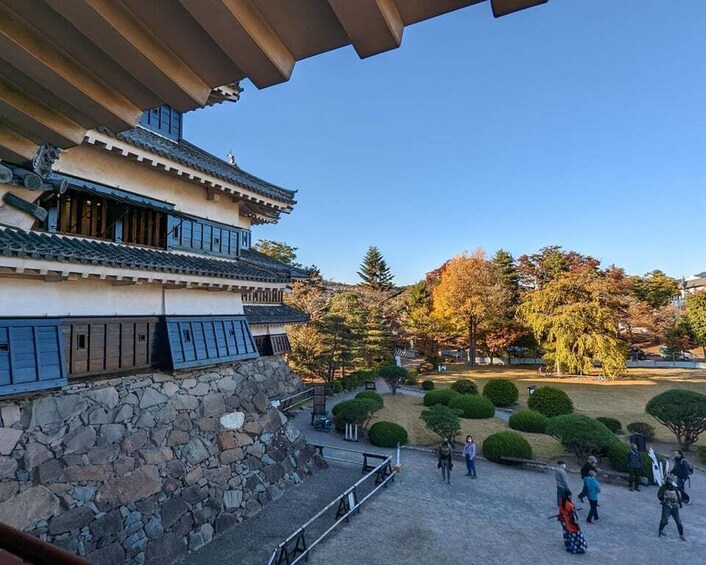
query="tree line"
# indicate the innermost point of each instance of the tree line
(558, 303)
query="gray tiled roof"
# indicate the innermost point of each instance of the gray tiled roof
(266, 262)
(188, 154)
(259, 314)
(51, 247)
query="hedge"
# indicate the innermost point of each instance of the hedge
(550, 401)
(357, 411)
(427, 385)
(529, 421)
(580, 434)
(617, 455)
(611, 423)
(501, 392)
(643, 428)
(473, 407)
(387, 434)
(464, 386)
(435, 397)
(371, 395)
(506, 444)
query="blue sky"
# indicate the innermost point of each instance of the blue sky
(576, 123)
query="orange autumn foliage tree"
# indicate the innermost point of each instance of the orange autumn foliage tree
(467, 295)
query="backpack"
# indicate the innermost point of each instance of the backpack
(688, 466)
(445, 450)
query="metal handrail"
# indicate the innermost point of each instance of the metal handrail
(298, 535)
(287, 402)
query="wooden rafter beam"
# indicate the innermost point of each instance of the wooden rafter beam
(14, 147)
(244, 35)
(122, 36)
(39, 122)
(505, 7)
(44, 62)
(373, 26)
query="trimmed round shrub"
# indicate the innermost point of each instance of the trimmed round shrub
(643, 428)
(371, 395)
(506, 444)
(580, 434)
(427, 385)
(464, 386)
(501, 392)
(682, 411)
(611, 423)
(473, 407)
(550, 401)
(387, 434)
(529, 421)
(357, 411)
(444, 396)
(618, 454)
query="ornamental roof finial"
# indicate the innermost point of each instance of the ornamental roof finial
(231, 158)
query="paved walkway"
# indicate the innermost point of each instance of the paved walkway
(503, 518)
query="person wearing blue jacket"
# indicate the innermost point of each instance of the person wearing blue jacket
(592, 487)
(469, 452)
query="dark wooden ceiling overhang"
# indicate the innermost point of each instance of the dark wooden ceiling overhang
(67, 66)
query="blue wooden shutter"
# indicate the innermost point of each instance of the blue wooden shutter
(203, 341)
(31, 356)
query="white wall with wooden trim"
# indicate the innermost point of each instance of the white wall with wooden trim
(22, 297)
(91, 162)
(267, 330)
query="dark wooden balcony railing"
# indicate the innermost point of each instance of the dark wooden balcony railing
(17, 548)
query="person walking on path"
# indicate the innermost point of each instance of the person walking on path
(682, 469)
(469, 452)
(670, 497)
(589, 466)
(562, 483)
(574, 541)
(633, 462)
(592, 488)
(445, 454)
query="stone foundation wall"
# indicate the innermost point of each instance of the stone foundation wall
(143, 468)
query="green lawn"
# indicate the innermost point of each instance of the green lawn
(623, 399)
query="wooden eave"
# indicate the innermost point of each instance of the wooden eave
(69, 66)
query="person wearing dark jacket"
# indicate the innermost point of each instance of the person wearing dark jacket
(681, 470)
(670, 498)
(633, 462)
(445, 454)
(589, 466)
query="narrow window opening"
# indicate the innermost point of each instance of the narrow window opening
(187, 335)
(80, 342)
(4, 347)
(141, 338)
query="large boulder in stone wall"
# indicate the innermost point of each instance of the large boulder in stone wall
(233, 420)
(51, 410)
(8, 440)
(30, 506)
(142, 483)
(166, 549)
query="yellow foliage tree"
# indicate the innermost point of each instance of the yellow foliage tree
(575, 318)
(468, 294)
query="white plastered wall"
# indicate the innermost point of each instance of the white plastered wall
(268, 330)
(29, 297)
(90, 162)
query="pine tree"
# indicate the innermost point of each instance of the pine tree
(507, 274)
(374, 271)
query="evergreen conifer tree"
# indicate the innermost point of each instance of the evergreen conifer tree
(374, 272)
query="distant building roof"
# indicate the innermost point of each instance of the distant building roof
(192, 156)
(63, 249)
(696, 282)
(264, 314)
